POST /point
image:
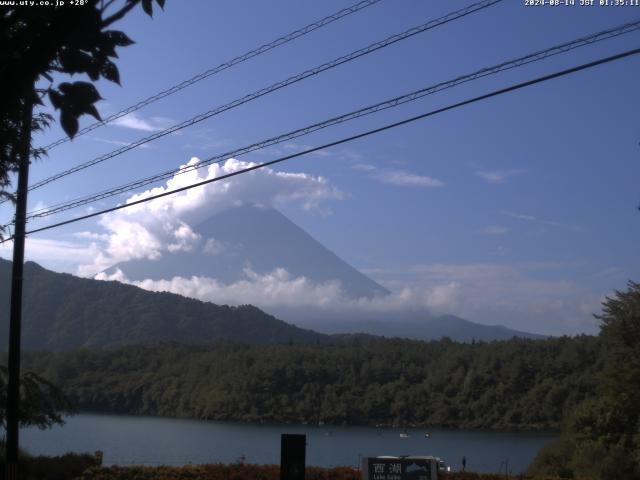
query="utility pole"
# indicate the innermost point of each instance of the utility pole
(15, 321)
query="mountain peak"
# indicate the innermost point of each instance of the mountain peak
(257, 238)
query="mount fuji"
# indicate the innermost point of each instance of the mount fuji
(261, 240)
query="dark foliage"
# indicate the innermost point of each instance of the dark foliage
(518, 384)
(42, 404)
(601, 437)
(64, 467)
(259, 472)
(40, 43)
(238, 471)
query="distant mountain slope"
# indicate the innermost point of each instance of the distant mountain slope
(61, 311)
(418, 324)
(260, 238)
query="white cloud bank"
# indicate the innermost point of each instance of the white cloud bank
(486, 293)
(276, 288)
(279, 288)
(42, 249)
(151, 229)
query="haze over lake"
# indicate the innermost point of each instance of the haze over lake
(127, 440)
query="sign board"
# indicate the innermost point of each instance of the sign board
(292, 456)
(399, 468)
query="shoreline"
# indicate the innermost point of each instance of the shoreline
(274, 423)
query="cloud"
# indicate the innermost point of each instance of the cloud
(520, 216)
(463, 272)
(41, 208)
(215, 247)
(184, 239)
(494, 230)
(526, 296)
(289, 148)
(205, 138)
(55, 253)
(486, 293)
(349, 155)
(498, 176)
(363, 167)
(135, 122)
(92, 236)
(400, 178)
(531, 218)
(292, 147)
(279, 288)
(40, 205)
(119, 142)
(276, 288)
(151, 229)
(444, 296)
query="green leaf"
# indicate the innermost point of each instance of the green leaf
(93, 111)
(56, 98)
(79, 93)
(75, 61)
(107, 46)
(69, 122)
(119, 38)
(147, 6)
(75, 99)
(110, 72)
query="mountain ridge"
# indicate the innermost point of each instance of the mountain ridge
(62, 311)
(414, 325)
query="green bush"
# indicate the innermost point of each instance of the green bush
(213, 472)
(64, 467)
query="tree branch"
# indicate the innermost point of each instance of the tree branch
(104, 6)
(120, 13)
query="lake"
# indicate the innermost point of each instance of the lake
(127, 440)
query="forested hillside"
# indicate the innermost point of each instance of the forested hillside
(519, 384)
(601, 438)
(62, 311)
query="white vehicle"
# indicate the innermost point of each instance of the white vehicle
(442, 467)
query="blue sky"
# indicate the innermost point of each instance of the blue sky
(520, 210)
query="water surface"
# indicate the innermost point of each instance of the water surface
(129, 440)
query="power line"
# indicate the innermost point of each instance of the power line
(223, 66)
(415, 95)
(494, 93)
(276, 86)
